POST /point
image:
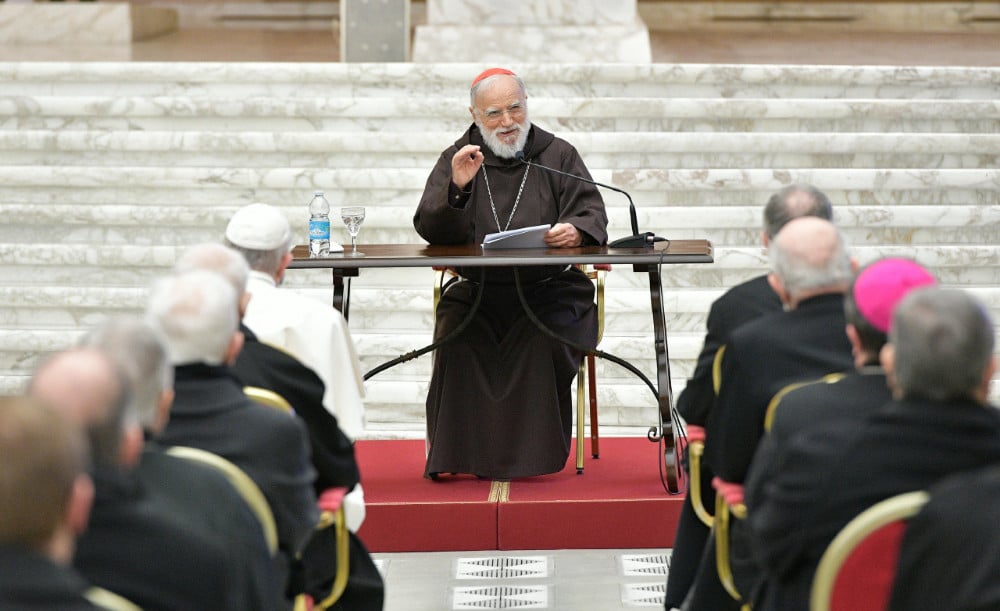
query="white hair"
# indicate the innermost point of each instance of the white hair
(196, 313)
(217, 258)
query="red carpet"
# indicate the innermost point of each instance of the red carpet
(617, 503)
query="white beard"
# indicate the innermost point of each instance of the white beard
(500, 148)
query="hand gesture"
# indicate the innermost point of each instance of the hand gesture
(465, 164)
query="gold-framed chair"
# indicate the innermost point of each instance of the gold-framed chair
(106, 599)
(268, 397)
(857, 569)
(243, 484)
(588, 366)
(332, 515)
(696, 452)
(723, 566)
(724, 512)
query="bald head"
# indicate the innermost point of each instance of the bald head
(86, 386)
(809, 257)
(792, 202)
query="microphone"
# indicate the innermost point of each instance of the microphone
(636, 240)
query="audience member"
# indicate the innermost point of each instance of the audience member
(939, 361)
(199, 495)
(265, 366)
(950, 554)
(847, 397)
(742, 303)
(310, 330)
(499, 402)
(45, 499)
(196, 314)
(810, 271)
(868, 307)
(132, 546)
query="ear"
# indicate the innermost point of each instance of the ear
(131, 448)
(887, 356)
(285, 261)
(244, 302)
(857, 350)
(991, 369)
(854, 266)
(235, 346)
(81, 499)
(778, 287)
(163, 409)
(472, 111)
(765, 240)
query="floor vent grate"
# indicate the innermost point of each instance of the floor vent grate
(503, 567)
(643, 594)
(638, 565)
(502, 597)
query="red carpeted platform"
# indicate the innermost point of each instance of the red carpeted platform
(617, 503)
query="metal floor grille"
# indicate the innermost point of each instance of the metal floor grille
(502, 567)
(501, 597)
(643, 565)
(643, 594)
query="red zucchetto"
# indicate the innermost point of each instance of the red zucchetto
(489, 73)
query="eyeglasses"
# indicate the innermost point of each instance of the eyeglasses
(516, 112)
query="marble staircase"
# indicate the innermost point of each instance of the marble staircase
(108, 170)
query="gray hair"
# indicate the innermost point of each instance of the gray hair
(267, 261)
(779, 211)
(487, 82)
(221, 259)
(139, 351)
(196, 313)
(801, 269)
(943, 340)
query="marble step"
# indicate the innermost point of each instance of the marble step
(413, 81)
(614, 151)
(725, 227)
(577, 114)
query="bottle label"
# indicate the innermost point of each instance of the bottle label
(319, 230)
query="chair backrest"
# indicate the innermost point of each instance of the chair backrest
(858, 567)
(243, 484)
(267, 397)
(106, 599)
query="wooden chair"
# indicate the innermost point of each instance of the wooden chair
(243, 484)
(332, 516)
(105, 599)
(857, 569)
(588, 366)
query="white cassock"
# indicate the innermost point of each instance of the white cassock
(317, 335)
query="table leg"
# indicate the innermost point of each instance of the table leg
(665, 394)
(342, 298)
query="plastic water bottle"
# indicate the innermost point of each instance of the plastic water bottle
(319, 226)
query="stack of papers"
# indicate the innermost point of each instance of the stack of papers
(525, 237)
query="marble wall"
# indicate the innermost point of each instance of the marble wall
(109, 170)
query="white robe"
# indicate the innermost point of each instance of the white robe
(317, 335)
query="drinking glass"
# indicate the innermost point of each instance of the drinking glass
(353, 217)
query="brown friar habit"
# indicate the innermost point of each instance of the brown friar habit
(499, 402)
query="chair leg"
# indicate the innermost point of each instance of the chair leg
(580, 411)
(595, 435)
